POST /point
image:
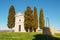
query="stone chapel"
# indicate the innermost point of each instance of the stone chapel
(19, 22)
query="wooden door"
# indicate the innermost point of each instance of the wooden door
(19, 27)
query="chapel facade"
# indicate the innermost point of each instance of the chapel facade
(19, 22)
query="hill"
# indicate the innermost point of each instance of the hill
(27, 36)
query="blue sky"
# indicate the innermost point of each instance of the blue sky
(51, 10)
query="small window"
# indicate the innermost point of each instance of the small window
(19, 19)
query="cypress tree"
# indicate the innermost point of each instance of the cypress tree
(11, 17)
(41, 19)
(28, 19)
(35, 19)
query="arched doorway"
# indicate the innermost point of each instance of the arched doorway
(19, 27)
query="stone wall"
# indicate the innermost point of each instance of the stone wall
(48, 31)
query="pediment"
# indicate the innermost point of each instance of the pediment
(19, 14)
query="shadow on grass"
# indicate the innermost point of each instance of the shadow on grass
(44, 37)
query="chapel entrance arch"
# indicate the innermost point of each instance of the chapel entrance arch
(19, 27)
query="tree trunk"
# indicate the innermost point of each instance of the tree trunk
(34, 29)
(42, 31)
(26, 28)
(30, 29)
(11, 29)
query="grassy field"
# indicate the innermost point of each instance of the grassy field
(26, 36)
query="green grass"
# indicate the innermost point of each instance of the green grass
(21, 36)
(17, 36)
(57, 35)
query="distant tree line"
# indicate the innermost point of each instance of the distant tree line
(30, 19)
